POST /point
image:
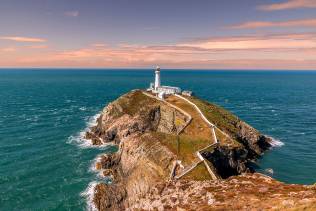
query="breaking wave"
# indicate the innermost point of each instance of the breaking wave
(88, 194)
(275, 142)
(94, 169)
(80, 139)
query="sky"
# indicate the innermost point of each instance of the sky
(202, 34)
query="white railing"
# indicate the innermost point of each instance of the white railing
(187, 170)
(197, 108)
(204, 118)
(201, 158)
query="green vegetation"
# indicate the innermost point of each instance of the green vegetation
(134, 102)
(184, 146)
(196, 136)
(198, 173)
(222, 118)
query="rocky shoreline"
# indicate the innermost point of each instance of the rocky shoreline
(145, 131)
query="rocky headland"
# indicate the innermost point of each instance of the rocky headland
(169, 158)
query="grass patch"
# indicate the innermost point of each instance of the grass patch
(223, 119)
(198, 173)
(183, 146)
(134, 102)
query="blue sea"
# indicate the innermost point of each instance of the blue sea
(45, 165)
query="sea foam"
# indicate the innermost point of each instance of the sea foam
(275, 142)
(88, 194)
(80, 139)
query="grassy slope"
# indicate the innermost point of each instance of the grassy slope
(134, 102)
(223, 119)
(196, 136)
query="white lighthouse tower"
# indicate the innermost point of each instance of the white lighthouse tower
(157, 78)
(163, 91)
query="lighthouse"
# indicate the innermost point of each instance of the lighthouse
(157, 78)
(162, 91)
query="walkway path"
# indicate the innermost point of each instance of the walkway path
(197, 126)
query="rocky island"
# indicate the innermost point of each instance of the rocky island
(170, 158)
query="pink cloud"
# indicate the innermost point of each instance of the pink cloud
(99, 45)
(287, 51)
(285, 41)
(290, 4)
(37, 46)
(72, 13)
(23, 39)
(262, 24)
(8, 49)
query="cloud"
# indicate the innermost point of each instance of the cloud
(291, 4)
(99, 45)
(72, 13)
(7, 50)
(37, 46)
(23, 39)
(277, 41)
(262, 24)
(274, 51)
(149, 28)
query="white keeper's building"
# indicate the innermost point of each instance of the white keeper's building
(162, 91)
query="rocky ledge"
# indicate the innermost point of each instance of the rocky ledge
(153, 135)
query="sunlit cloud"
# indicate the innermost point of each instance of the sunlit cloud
(282, 51)
(291, 4)
(8, 49)
(262, 24)
(72, 13)
(22, 39)
(37, 46)
(99, 45)
(286, 41)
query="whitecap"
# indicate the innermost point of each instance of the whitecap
(82, 108)
(275, 142)
(93, 164)
(99, 173)
(269, 171)
(89, 194)
(79, 138)
(92, 121)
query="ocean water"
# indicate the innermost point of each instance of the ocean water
(44, 165)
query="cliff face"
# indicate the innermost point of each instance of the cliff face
(135, 113)
(244, 192)
(146, 132)
(141, 160)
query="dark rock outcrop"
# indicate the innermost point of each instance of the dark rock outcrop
(253, 141)
(228, 162)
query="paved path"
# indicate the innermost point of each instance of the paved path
(198, 117)
(197, 122)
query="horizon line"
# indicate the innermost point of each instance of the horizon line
(148, 68)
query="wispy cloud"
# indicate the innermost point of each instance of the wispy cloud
(7, 50)
(278, 51)
(262, 24)
(290, 4)
(99, 45)
(149, 28)
(23, 39)
(72, 13)
(37, 46)
(273, 41)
